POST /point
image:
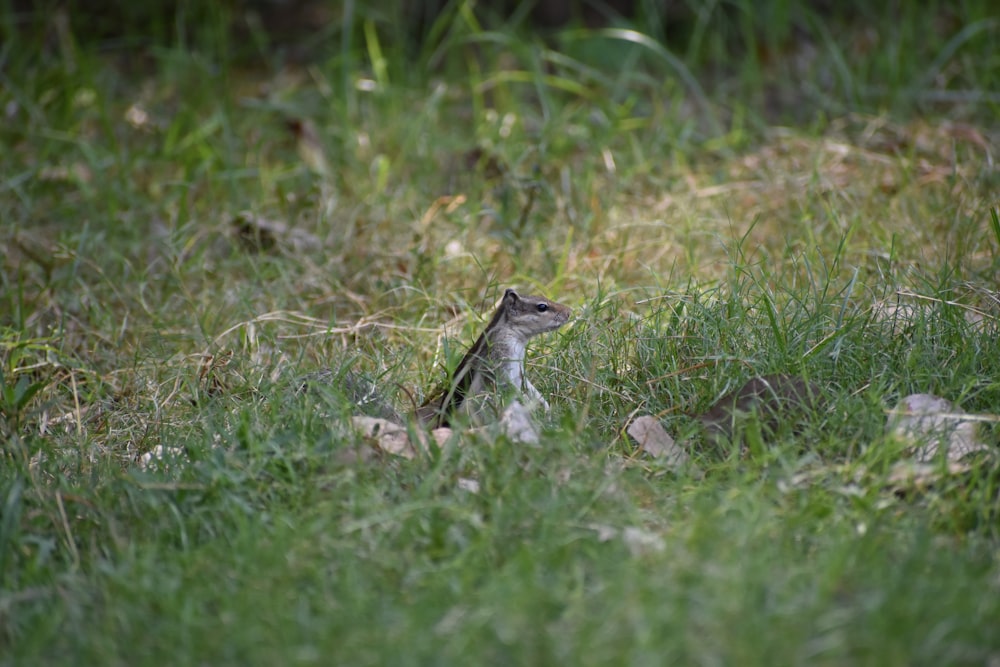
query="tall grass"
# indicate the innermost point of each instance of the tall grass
(732, 190)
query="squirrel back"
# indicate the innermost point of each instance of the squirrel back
(777, 398)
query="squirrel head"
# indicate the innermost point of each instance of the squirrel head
(532, 315)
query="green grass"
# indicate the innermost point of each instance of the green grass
(751, 198)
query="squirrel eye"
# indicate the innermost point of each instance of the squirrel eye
(542, 307)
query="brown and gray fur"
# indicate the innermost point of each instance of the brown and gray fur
(496, 360)
(776, 398)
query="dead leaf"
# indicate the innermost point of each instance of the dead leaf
(388, 437)
(898, 315)
(309, 144)
(641, 542)
(75, 173)
(261, 235)
(604, 532)
(161, 457)
(927, 421)
(470, 485)
(441, 435)
(916, 476)
(649, 434)
(638, 541)
(353, 454)
(211, 371)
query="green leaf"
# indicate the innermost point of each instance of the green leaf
(24, 391)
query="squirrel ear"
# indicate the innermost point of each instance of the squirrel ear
(510, 294)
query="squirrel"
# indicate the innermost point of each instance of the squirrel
(776, 398)
(495, 362)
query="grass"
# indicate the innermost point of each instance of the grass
(775, 191)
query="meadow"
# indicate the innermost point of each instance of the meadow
(195, 213)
